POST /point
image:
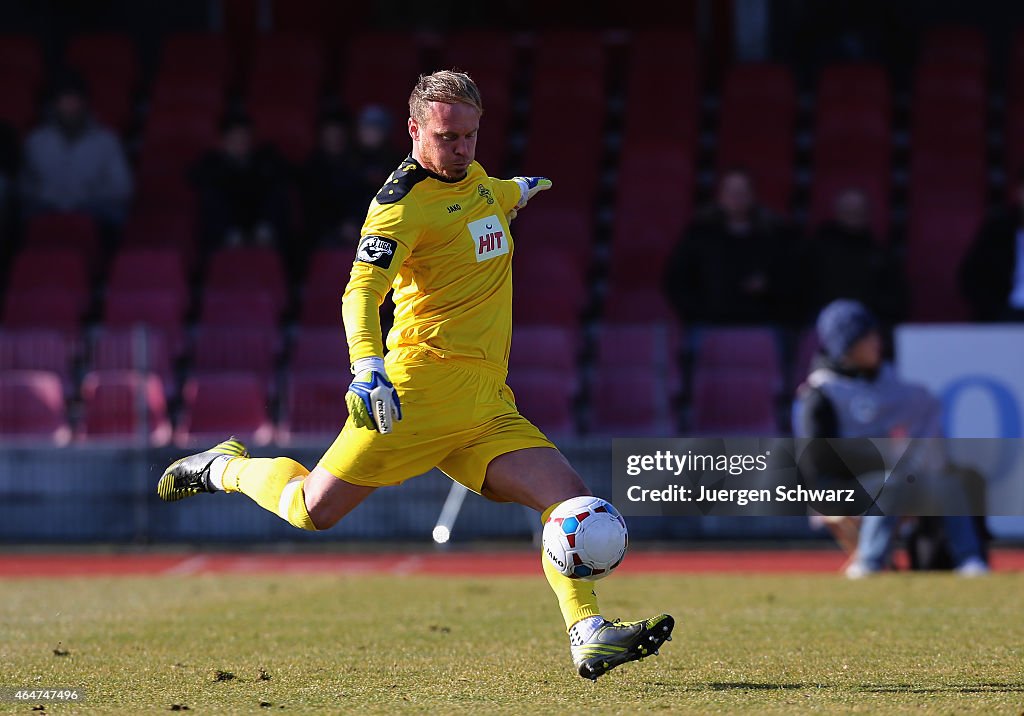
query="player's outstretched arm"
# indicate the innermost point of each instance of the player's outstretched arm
(528, 187)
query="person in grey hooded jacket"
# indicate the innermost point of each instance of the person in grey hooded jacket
(72, 163)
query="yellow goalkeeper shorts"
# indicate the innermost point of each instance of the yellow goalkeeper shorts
(456, 416)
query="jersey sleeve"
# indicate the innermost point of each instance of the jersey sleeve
(388, 236)
(507, 192)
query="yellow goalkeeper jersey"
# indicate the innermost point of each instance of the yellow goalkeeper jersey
(445, 248)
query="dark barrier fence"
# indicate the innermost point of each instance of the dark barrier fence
(107, 494)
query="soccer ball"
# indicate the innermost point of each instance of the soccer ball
(585, 538)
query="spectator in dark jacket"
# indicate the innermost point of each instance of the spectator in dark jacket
(992, 274)
(375, 155)
(243, 190)
(845, 259)
(734, 264)
(71, 163)
(332, 187)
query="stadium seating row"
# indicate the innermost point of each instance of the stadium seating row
(636, 377)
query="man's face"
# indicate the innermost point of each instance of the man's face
(445, 141)
(866, 353)
(333, 138)
(736, 195)
(70, 110)
(237, 142)
(852, 210)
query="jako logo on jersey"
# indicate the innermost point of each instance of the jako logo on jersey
(453, 208)
(485, 193)
(376, 250)
(489, 239)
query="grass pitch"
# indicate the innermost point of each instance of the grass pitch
(377, 644)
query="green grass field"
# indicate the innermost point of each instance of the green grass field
(374, 644)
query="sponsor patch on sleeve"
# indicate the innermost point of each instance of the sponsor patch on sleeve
(376, 250)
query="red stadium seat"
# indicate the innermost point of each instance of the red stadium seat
(21, 74)
(224, 404)
(192, 56)
(109, 64)
(112, 405)
(626, 301)
(569, 93)
(19, 106)
(21, 56)
(47, 288)
(239, 308)
(489, 57)
(38, 349)
(321, 308)
(45, 309)
(654, 202)
(636, 375)
(543, 347)
(156, 309)
(32, 408)
(162, 228)
(757, 129)
(254, 270)
(320, 349)
(144, 268)
(326, 277)
(554, 226)
(315, 405)
(64, 231)
(857, 84)
(380, 68)
(739, 349)
(652, 348)
(958, 44)
(655, 55)
(132, 349)
(627, 403)
(330, 268)
(220, 348)
(548, 286)
(288, 127)
(545, 398)
(734, 402)
(59, 269)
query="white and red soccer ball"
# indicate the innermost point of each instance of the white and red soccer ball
(585, 538)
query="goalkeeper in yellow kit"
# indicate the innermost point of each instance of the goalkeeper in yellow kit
(438, 233)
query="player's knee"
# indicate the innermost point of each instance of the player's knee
(289, 467)
(328, 499)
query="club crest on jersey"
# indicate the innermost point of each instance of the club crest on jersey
(489, 238)
(485, 193)
(376, 250)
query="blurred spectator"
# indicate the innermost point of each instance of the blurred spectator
(332, 186)
(243, 190)
(735, 262)
(72, 163)
(851, 393)
(374, 153)
(845, 259)
(992, 273)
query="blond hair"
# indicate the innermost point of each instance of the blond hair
(448, 86)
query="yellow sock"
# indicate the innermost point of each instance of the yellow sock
(576, 598)
(275, 484)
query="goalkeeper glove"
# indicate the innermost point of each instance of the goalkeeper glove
(371, 398)
(528, 188)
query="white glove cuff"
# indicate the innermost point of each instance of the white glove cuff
(373, 363)
(524, 191)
